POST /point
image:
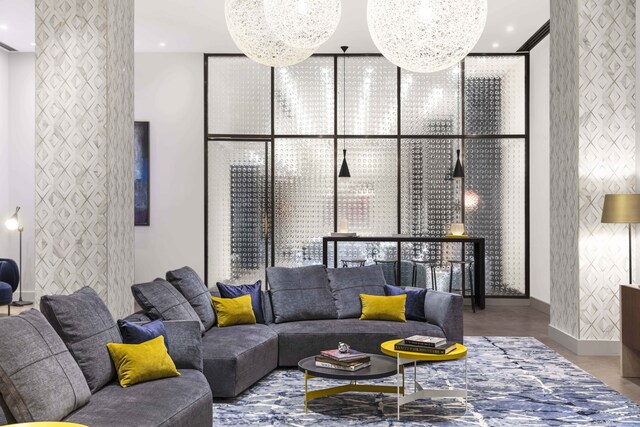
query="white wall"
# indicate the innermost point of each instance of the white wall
(17, 165)
(539, 202)
(169, 95)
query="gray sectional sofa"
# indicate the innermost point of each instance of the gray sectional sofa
(306, 310)
(54, 365)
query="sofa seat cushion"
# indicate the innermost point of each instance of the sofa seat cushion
(297, 340)
(39, 380)
(160, 300)
(191, 286)
(86, 326)
(237, 356)
(300, 293)
(178, 401)
(347, 284)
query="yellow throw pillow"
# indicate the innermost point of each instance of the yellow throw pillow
(234, 311)
(383, 308)
(137, 363)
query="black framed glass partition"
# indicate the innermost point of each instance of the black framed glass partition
(274, 140)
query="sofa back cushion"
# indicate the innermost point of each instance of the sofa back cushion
(86, 326)
(347, 284)
(39, 380)
(162, 301)
(300, 293)
(189, 284)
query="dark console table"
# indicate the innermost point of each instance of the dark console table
(478, 250)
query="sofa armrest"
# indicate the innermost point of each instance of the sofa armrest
(185, 343)
(445, 310)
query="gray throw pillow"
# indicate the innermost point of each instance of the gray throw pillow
(86, 326)
(160, 300)
(39, 380)
(300, 293)
(348, 283)
(189, 284)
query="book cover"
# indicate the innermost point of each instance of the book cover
(336, 355)
(425, 340)
(352, 368)
(448, 347)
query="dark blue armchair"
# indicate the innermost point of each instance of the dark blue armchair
(9, 280)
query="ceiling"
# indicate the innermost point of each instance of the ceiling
(199, 26)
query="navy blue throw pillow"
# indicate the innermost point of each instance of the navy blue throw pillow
(133, 333)
(414, 307)
(255, 290)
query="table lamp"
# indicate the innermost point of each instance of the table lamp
(622, 209)
(14, 224)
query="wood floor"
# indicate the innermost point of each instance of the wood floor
(526, 321)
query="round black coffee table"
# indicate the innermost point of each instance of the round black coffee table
(381, 367)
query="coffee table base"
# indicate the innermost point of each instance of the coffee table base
(353, 386)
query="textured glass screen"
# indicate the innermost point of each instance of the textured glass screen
(303, 199)
(494, 209)
(239, 96)
(371, 96)
(368, 200)
(431, 102)
(494, 95)
(304, 98)
(237, 211)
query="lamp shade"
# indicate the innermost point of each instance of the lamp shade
(621, 208)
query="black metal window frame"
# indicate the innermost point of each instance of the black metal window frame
(269, 140)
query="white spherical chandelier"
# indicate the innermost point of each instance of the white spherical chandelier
(304, 24)
(249, 30)
(426, 35)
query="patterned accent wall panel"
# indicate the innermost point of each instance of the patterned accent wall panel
(564, 65)
(304, 98)
(238, 84)
(606, 157)
(238, 211)
(84, 149)
(431, 102)
(371, 96)
(303, 199)
(368, 200)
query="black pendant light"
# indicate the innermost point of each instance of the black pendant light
(458, 171)
(344, 169)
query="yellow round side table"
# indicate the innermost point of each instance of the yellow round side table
(405, 357)
(47, 424)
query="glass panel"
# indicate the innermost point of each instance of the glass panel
(431, 102)
(304, 199)
(383, 253)
(239, 96)
(494, 95)
(494, 209)
(368, 200)
(237, 211)
(304, 98)
(371, 96)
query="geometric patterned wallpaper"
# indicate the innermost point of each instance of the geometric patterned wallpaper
(603, 154)
(84, 149)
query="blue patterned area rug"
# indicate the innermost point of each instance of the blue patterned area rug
(512, 382)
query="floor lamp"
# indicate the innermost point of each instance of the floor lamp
(622, 209)
(14, 224)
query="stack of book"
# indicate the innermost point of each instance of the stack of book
(426, 344)
(351, 361)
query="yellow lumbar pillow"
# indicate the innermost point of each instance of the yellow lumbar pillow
(383, 308)
(234, 311)
(137, 363)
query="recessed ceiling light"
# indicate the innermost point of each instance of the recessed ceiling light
(33, 44)
(4, 27)
(162, 44)
(495, 45)
(509, 28)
